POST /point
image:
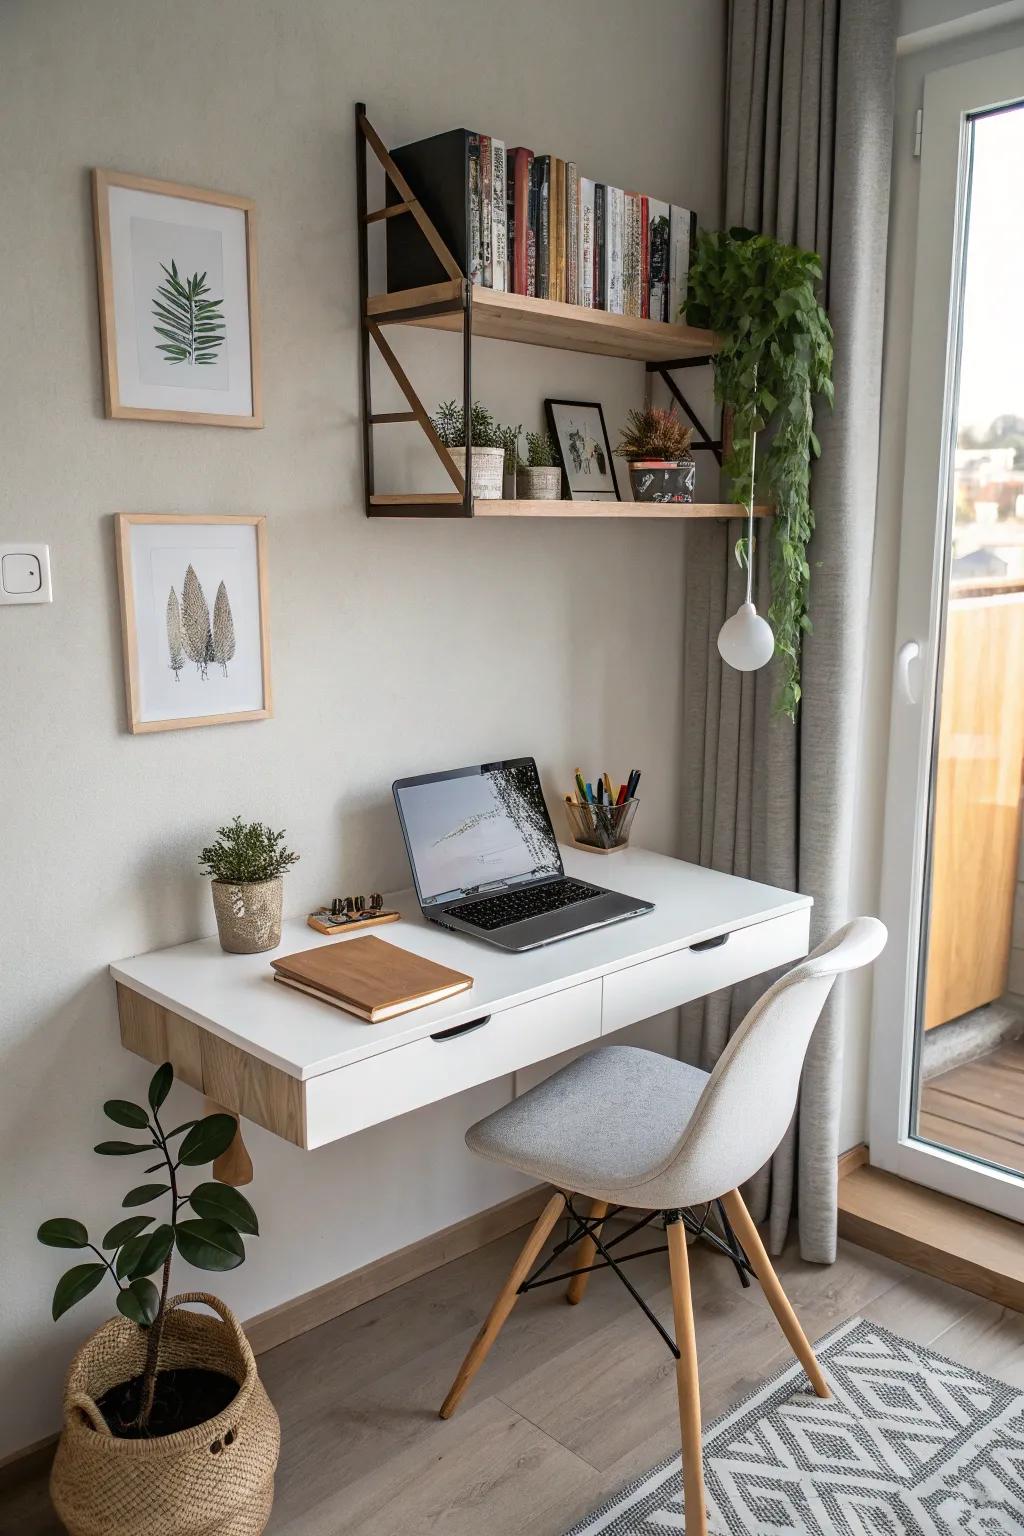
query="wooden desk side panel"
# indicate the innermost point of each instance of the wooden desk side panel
(242, 1083)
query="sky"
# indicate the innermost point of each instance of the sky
(992, 362)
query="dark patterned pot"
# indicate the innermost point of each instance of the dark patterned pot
(663, 479)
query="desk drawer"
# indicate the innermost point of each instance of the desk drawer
(426, 1070)
(670, 980)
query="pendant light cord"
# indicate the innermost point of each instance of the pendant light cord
(750, 520)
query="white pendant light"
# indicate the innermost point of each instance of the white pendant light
(746, 641)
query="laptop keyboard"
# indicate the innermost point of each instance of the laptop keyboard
(533, 901)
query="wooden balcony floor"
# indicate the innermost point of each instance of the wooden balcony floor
(978, 1108)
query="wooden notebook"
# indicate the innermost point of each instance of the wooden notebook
(371, 978)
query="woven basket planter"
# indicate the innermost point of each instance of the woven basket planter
(248, 915)
(214, 1480)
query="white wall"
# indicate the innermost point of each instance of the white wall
(397, 647)
(881, 638)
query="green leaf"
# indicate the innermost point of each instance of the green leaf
(140, 1301)
(124, 1112)
(121, 1231)
(142, 1194)
(209, 1244)
(160, 1085)
(75, 1284)
(144, 1254)
(155, 1168)
(186, 1125)
(63, 1232)
(222, 1202)
(121, 1148)
(207, 1139)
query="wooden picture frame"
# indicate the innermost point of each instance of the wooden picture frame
(140, 380)
(151, 704)
(555, 412)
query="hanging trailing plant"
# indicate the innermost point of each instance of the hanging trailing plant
(760, 298)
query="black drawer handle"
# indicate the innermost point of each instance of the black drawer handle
(461, 1029)
(714, 943)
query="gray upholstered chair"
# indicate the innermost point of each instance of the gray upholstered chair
(629, 1128)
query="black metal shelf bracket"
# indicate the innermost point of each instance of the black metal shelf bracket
(705, 442)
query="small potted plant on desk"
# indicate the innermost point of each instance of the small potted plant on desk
(167, 1426)
(247, 863)
(540, 479)
(486, 438)
(657, 447)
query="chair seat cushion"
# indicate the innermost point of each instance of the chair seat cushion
(605, 1123)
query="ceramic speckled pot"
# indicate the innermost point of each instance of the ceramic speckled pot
(248, 915)
(663, 479)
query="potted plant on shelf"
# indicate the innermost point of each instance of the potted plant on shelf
(774, 358)
(485, 436)
(657, 447)
(540, 478)
(167, 1426)
(247, 863)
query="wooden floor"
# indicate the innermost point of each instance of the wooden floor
(979, 1107)
(572, 1403)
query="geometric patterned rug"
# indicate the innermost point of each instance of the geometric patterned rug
(910, 1444)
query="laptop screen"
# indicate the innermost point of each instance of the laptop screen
(475, 826)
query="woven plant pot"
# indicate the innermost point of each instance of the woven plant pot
(488, 471)
(540, 483)
(214, 1480)
(248, 915)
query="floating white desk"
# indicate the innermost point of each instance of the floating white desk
(313, 1073)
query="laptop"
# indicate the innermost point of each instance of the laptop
(485, 860)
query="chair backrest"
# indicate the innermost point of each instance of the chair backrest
(750, 1096)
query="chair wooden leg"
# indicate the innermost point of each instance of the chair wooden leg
(504, 1303)
(687, 1383)
(584, 1255)
(750, 1240)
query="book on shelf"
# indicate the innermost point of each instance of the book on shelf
(682, 236)
(645, 258)
(572, 233)
(542, 172)
(369, 977)
(657, 246)
(486, 211)
(631, 263)
(600, 245)
(445, 174)
(585, 243)
(556, 228)
(615, 218)
(499, 214)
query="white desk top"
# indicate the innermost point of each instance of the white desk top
(235, 996)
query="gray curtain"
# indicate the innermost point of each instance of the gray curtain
(808, 141)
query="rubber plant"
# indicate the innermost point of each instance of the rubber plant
(134, 1249)
(774, 361)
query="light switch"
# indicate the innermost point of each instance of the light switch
(25, 573)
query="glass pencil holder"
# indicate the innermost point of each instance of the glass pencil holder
(600, 828)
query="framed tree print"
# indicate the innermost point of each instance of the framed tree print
(193, 619)
(179, 322)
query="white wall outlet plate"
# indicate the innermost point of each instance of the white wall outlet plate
(25, 573)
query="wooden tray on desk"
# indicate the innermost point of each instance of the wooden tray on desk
(325, 925)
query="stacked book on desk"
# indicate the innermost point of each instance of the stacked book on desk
(531, 224)
(369, 977)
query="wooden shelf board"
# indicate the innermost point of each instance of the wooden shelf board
(932, 1232)
(545, 323)
(628, 511)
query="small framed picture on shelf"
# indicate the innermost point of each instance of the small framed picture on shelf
(582, 437)
(179, 324)
(193, 619)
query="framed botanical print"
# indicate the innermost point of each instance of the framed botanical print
(582, 437)
(194, 619)
(179, 322)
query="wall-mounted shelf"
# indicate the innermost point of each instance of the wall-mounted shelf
(449, 505)
(545, 323)
(454, 304)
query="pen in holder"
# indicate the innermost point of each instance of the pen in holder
(600, 828)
